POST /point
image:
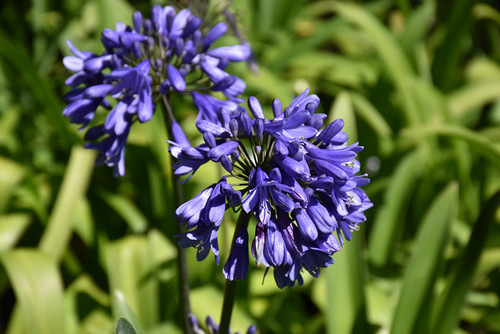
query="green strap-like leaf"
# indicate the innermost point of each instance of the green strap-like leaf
(82, 285)
(73, 188)
(11, 174)
(396, 64)
(417, 26)
(473, 96)
(129, 262)
(38, 288)
(450, 304)
(388, 222)
(122, 309)
(17, 55)
(127, 210)
(346, 311)
(475, 139)
(447, 55)
(124, 327)
(342, 108)
(375, 120)
(424, 263)
(12, 226)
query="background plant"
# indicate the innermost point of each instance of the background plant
(418, 84)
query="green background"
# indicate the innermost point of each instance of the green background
(418, 85)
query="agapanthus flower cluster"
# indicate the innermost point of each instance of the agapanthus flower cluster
(157, 56)
(295, 177)
(212, 327)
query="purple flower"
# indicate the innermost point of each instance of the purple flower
(237, 264)
(158, 56)
(207, 207)
(298, 180)
(212, 327)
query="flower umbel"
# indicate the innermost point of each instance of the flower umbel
(156, 57)
(298, 180)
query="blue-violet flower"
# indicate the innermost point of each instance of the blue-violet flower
(157, 56)
(212, 327)
(295, 177)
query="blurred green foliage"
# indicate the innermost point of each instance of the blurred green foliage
(418, 83)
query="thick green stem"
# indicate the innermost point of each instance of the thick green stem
(227, 307)
(182, 270)
(230, 290)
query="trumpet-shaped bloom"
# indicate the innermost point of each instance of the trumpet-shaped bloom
(298, 179)
(152, 58)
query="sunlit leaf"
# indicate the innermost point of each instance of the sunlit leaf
(447, 313)
(417, 26)
(448, 53)
(127, 210)
(18, 56)
(38, 288)
(124, 327)
(114, 11)
(424, 263)
(124, 312)
(476, 140)
(74, 186)
(346, 311)
(12, 226)
(389, 219)
(374, 118)
(472, 97)
(82, 285)
(130, 262)
(395, 62)
(342, 108)
(10, 174)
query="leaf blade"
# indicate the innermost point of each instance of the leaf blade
(38, 288)
(450, 303)
(422, 269)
